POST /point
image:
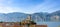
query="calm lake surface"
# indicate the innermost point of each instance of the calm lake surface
(50, 24)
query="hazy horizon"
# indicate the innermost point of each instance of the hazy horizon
(27, 13)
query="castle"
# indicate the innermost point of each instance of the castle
(25, 23)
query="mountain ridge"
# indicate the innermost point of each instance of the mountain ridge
(41, 16)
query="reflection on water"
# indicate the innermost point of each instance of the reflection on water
(50, 24)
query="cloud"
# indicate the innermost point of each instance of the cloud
(29, 6)
(47, 6)
(5, 9)
(0, 0)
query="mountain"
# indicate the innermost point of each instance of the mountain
(13, 17)
(40, 16)
(55, 16)
(37, 17)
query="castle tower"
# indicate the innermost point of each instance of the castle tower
(29, 18)
(28, 22)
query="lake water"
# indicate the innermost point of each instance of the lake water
(49, 24)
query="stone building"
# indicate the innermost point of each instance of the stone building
(25, 23)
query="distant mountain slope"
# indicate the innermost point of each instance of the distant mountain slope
(38, 17)
(13, 17)
(55, 16)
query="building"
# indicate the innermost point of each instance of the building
(25, 23)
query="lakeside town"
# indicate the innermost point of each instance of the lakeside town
(29, 13)
(25, 23)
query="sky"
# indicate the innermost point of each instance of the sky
(29, 6)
